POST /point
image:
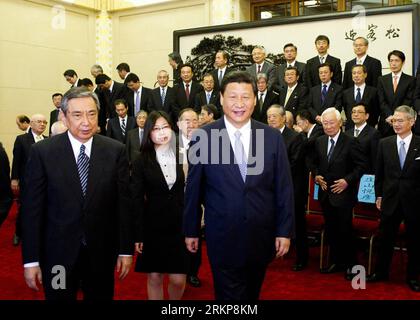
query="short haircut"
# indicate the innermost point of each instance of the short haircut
(262, 76)
(187, 65)
(322, 37)
(70, 73)
(23, 119)
(97, 67)
(120, 101)
(58, 127)
(238, 77)
(208, 75)
(292, 68)
(397, 53)
(366, 41)
(410, 112)
(306, 115)
(359, 66)
(78, 92)
(102, 78)
(361, 104)
(132, 77)
(211, 109)
(331, 110)
(176, 57)
(289, 45)
(86, 82)
(141, 112)
(325, 64)
(259, 47)
(181, 113)
(279, 108)
(56, 95)
(123, 67)
(225, 54)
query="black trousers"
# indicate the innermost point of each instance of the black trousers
(339, 233)
(195, 260)
(238, 283)
(388, 229)
(96, 283)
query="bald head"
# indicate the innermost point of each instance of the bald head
(38, 124)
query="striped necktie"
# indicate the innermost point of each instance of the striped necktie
(123, 126)
(83, 168)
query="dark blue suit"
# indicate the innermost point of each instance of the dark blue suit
(242, 219)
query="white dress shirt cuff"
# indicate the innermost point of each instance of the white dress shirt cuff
(31, 265)
(125, 255)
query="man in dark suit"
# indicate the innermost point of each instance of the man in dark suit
(76, 210)
(367, 135)
(21, 149)
(373, 66)
(71, 77)
(111, 91)
(208, 114)
(249, 203)
(294, 141)
(135, 137)
(220, 60)
(163, 96)
(95, 71)
(6, 195)
(56, 99)
(360, 92)
(339, 164)
(186, 91)
(397, 186)
(290, 53)
(293, 97)
(325, 95)
(123, 70)
(394, 89)
(322, 44)
(209, 95)
(265, 98)
(137, 97)
(416, 105)
(119, 126)
(260, 65)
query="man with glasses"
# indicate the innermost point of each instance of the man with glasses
(21, 149)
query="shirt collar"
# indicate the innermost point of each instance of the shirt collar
(335, 138)
(76, 144)
(362, 59)
(112, 86)
(361, 127)
(362, 87)
(407, 141)
(397, 74)
(231, 129)
(328, 84)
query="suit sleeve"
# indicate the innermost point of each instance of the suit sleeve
(338, 74)
(379, 170)
(33, 206)
(303, 99)
(383, 104)
(284, 193)
(360, 161)
(109, 129)
(409, 96)
(271, 77)
(138, 192)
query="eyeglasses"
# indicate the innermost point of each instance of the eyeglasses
(399, 121)
(160, 128)
(40, 121)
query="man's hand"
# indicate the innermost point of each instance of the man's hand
(14, 184)
(339, 186)
(379, 203)
(192, 244)
(282, 246)
(138, 247)
(318, 119)
(389, 120)
(320, 180)
(32, 276)
(124, 265)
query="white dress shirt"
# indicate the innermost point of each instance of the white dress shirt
(245, 134)
(335, 138)
(407, 141)
(361, 60)
(166, 158)
(362, 90)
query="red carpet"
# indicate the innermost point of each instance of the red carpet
(280, 282)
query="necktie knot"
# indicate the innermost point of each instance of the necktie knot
(356, 132)
(238, 134)
(358, 95)
(82, 149)
(321, 59)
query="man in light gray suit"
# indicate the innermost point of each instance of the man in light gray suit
(262, 66)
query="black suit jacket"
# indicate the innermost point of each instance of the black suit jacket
(369, 139)
(374, 71)
(201, 99)
(347, 162)
(145, 100)
(56, 217)
(279, 74)
(309, 146)
(312, 74)
(132, 144)
(119, 91)
(215, 74)
(181, 101)
(388, 100)
(416, 103)
(268, 68)
(297, 101)
(369, 98)
(114, 129)
(21, 150)
(333, 99)
(270, 99)
(395, 185)
(156, 100)
(53, 117)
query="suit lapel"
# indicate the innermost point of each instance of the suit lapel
(96, 168)
(412, 151)
(69, 168)
(337, 147)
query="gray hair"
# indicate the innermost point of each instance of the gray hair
(331, 110)
(278, 108)
(364, 39)
(97, 67)
(259, 47)
(262, 76)
(58, 127)
(411, 114)
(78, 92)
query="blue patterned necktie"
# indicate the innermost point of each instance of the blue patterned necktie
(358, 96)
(323, 93)
(240, 155)
(208, 97)
(402, 153)
(331, 149)
(83, 168)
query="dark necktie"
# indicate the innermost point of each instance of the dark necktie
(331, 150)
(358, 96)
(162, 96)
(187, 91)
(220, 77)
(83, 168)
(261, 101)
(323, 93)
(356, 132)
(123, 126)
(259, 68)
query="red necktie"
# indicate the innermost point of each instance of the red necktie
(187, 91)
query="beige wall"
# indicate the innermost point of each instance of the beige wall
(143, 37)
(34, 53)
